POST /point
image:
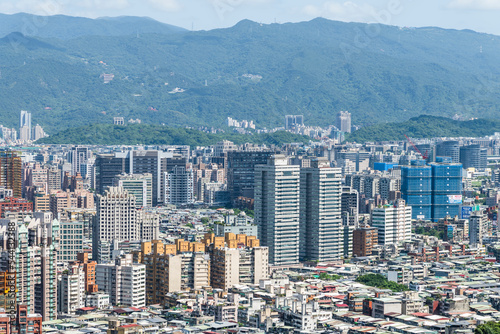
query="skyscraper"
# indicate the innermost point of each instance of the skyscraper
(433, 191)
(108, 166)
(320, 204)
(241, 172)
(450, 148)
(118, 219)
(344, 121)
(79, 156)
(446, 188)
(277, 188)
(473, 156)
(416, 189)
(25, 125)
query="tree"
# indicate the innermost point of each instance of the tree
(379, 281)
(490, 327)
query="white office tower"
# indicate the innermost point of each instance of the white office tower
(179, 186)
(25, 126)
(277, 209)
(393, 223)
(124, 281)
(117, 219)
(320, 216)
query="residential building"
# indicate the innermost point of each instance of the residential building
(118, 219)
(71, 289)
(393, 223)
(364, 239)
(320, 212)
(11, 172)
(277, 209)
(124, 281)
(179, 186)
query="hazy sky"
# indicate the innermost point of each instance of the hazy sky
(479, 15)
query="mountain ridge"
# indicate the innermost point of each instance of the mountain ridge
(255, 72)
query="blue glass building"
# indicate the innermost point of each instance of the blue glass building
(446, 188)
(433, 191)
(416, 189)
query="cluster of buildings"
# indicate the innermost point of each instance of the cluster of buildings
(314, 237)
(26, 133)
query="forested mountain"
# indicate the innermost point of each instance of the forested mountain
(425, 127)
(251, 71)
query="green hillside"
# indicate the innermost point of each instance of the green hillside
(142, 134)
(251, 71)
(425, 127)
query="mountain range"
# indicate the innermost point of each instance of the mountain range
(73, 71)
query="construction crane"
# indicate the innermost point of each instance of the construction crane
(424, 156)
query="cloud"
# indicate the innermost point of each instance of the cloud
(475, 4)
(165, 5)
(347, 11)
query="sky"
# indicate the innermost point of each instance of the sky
(478, 15)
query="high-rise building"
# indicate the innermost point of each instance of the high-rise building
(293, 121)
(450, 148)
(25, 125)
(11, 175)
(38, 132)
(416, 189)
(277, 209)
(364, 239)
(473, 156)
(241, 172)
(71, 235)
(117, 219)
(349, 200)
(320, 212)
(477, 228)
(35, 263)
(108, 166)
(139, 185)
(393, 223)
(124, 281)
(179, 186)
(79, 156)
(446, 188)
(344, 121)
(71, 289)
